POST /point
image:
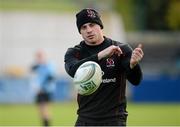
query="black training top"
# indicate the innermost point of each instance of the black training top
(108, 103)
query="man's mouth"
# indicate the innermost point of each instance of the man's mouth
(90, 36)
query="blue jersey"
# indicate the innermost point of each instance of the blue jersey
(44, 77)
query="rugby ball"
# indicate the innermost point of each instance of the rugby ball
(88, 78)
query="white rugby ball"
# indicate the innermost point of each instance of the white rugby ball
(88, 78)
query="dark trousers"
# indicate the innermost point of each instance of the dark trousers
(112, 123)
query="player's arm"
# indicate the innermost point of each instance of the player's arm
(73, 60)
(131, 64)
(109, 51)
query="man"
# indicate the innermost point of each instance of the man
(43, 84)
(107, 105)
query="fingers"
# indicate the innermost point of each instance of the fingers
(108, 52)
(139, 49)
(113, 50)
(136, 56)
(139, 46)
(117, 50)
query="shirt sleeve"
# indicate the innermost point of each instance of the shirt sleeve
(134, 75)
(73, 60)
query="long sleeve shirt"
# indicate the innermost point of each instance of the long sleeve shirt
(108, 103)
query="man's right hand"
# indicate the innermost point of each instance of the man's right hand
(109, 51)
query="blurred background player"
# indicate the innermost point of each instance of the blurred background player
(44, 84)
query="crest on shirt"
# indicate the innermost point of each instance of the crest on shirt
(110, 62)
(91, 13)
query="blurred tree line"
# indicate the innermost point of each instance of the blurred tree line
(137, 14)
(159, 15)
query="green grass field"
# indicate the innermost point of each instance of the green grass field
(64, 114)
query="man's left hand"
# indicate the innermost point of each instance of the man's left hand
(137, 55)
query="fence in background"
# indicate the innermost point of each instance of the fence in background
(152, 89)
(160, 88)
(19, 90)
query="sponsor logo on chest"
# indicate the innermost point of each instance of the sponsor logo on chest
(111, 80)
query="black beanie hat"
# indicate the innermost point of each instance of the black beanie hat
(88, 15)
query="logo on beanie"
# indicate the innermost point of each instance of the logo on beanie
(91, 13)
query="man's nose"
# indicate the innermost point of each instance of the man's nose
(89, 29)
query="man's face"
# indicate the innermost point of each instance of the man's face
(92, 33)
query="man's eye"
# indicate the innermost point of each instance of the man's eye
(83, 27)
(92, 24)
